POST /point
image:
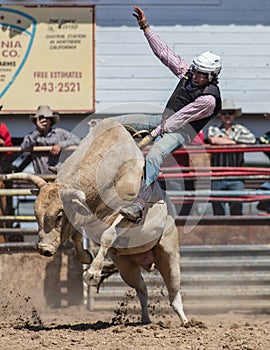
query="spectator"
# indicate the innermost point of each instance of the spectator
(265, 140)
(228, 133)
(5, 167)
(264, 205)
(5, 141)
(45, 135)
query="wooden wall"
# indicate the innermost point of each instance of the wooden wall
(128, 73)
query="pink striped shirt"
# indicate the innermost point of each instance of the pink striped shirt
(202, 107)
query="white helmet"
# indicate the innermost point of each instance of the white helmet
(207, 62)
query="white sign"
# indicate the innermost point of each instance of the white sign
(47, 58)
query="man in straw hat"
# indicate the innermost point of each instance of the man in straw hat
(228, 133)
(45, 135)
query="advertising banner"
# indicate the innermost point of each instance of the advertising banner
(47, 58)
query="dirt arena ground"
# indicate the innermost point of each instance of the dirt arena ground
(23, 326)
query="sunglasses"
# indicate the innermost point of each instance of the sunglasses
(227, 112)
(40, 117)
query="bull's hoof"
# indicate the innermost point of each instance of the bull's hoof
(146, 321)
(92, 277)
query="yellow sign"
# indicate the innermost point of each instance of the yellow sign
(47, 58)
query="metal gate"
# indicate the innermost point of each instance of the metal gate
(215, 279)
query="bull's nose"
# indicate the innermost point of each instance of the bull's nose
(44, 250)
(47, 253)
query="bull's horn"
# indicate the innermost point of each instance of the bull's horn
(34, 179)
(53, 169)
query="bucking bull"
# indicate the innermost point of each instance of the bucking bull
(102, 175)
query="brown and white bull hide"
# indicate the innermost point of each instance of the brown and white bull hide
(92, 185)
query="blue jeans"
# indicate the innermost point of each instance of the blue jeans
(233, 185)
(162, 147)
(139, 121)
(264, 205)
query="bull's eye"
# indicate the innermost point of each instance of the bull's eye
(59, 217)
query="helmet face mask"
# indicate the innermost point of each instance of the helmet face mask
(209, 63)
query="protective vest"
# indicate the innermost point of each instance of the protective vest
(184, 94)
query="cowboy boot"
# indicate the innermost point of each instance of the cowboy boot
(135, 211)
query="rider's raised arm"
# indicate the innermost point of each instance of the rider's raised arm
(166, 55)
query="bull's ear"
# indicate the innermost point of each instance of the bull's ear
(77, 199)
(35, 191)
(80, 207)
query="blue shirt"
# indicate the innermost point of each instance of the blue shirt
(42, 160)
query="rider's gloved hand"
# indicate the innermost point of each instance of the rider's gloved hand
(145, 141)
